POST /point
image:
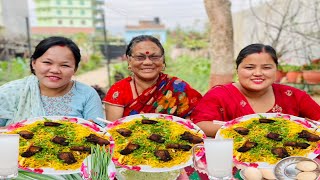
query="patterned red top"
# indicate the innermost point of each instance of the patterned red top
(227, 102)
(170, 95)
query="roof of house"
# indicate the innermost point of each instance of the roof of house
(155, 25)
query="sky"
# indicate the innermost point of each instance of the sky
(189, 14)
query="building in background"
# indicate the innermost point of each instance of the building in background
(154, 28)
(66, 17)
(13, 28)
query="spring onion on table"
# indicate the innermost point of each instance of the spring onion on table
(100, 159)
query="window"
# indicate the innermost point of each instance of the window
(82, 12)
(58, 2)
(71, 22)
(83, 22)
(59, 22)
(58, 12)
(82, 2)
(70, 12)
(70, 2)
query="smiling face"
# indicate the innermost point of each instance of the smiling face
(55, 68)
(257, 72)
(147, 69)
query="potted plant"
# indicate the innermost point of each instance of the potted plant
(311, 72)
(280, 74)
(294, 74)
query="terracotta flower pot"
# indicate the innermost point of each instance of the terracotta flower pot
(292, 76)
(311, 76)
(280, 75)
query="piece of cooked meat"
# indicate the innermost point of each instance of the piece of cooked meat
(265, 120)
(67, 157)
(163, 155)
(191, 138)
(80, 148)
(97, 140)
(280, 152)
(156, 138)
(274, 136)
(242, 130)
(173, 146)
(297, 144)
(26, 134)
(124, 132)
(148, 121)
(60, 140)
(303, 145)
(308, 136)
(32, 150)
(179, 146)
(129, 148)
(292, 144)
(51, 124)
(185, 147)
(247, 146)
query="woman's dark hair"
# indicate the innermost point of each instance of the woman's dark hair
(49, 42)
(256, 48)
(142, 38)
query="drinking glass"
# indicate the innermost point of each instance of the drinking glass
(9, 152)
(219, 157)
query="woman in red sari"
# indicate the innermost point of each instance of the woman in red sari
(149, 90)
(255, 92)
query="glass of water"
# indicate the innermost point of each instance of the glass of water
(9, 152)
(219, 157)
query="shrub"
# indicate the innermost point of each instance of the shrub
(14, 69)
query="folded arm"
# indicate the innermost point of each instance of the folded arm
(209, 128)
(113, 112)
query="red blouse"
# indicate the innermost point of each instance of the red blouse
(170, 95)
(227, 102)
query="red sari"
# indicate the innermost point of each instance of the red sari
(170, 95)
(227, 102)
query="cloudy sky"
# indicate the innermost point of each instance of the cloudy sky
(189, 14)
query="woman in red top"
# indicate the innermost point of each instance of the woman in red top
(255, 92)
(149, 90)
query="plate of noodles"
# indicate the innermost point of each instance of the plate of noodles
(261, 140)
(154, 142)
(56, 144)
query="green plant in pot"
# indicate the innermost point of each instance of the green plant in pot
(280, 73)
(311, 72)
(294, 74)
(290, 68)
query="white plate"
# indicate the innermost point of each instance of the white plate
(309, 124)
(77, 120)
(286, 168)
(144, 168)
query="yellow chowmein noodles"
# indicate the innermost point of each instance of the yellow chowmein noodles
(48, 157)
(287, 129)
(171, 132)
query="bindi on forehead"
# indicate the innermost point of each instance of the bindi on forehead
(147, 52)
